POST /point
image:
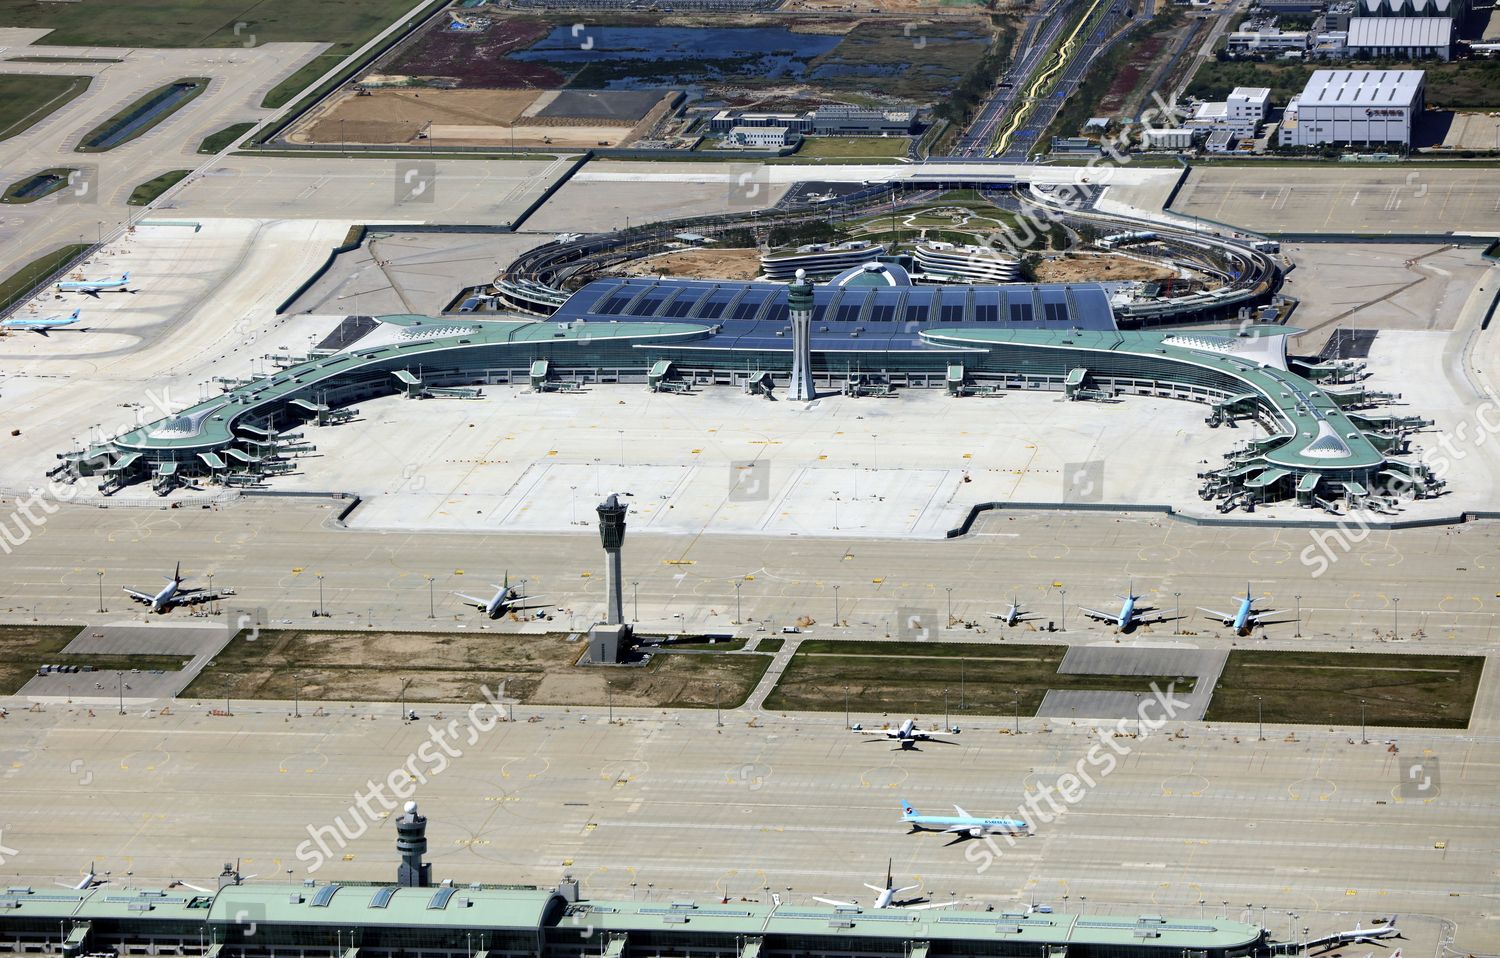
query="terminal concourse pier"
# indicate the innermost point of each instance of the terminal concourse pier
(364, 920)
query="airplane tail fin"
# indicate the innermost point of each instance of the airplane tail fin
(907, 809)
(75, 314)
(177, 574)
(889, 862)
(125, 276)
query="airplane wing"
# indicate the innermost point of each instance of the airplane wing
(140, 596)
(1261, 615)
(478, 603)
(1217, 615)
(522, 608)
(836, 903)
(1101, 616)
(884, 732)
(961, 812)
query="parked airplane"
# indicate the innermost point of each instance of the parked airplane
(886, 897)
(93, 287)
(174, 594)
(1130, 615)
(963, 825)
(505, 600)
(1245, 618)
(89, 880)
(908, 734)
(40, 324)
(1386, 930)
(1012, 616)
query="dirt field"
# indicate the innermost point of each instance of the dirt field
(1074, 269)
(699, 264)
(451, 667)
(395, 116)
(457, 117)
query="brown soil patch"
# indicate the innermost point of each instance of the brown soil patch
(395, 116)
(454, 667)
(737, 263)
(477, 58)
(1073, 269)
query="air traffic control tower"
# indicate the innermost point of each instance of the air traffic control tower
(799, 302)
(608, 639)
(411, 843)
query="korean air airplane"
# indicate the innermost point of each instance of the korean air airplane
(1130, 614)
(40, 324)
(1245, 617)
(93, 287)
(963, 824)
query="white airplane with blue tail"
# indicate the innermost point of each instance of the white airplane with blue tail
(40, 324)
(962, 825)
(1130, 614)
(93, 287)
(1245, 617)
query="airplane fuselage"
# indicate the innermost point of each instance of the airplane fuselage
(1127, 613)
(946, 822)
(1242, 617)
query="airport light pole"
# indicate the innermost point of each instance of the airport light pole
(946, 724)
(297, 697)
(1299, 617)
(622, 446)
(321, 613)
(210, 578)
(960, 685)
(835, 607)
(121, 677)
(1064, 603)
(846, 706)
(718, 710)
(100, 574)
(405, 683)
(635, 586)
(1176, 612)
(737, 586)
(1363, 739)
(1260, 721)
(611, 693)
(1017, 703)
(1396, 617)
(950, 606)
(431, 606)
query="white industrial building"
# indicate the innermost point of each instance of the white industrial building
(758, 137)
(1354, 106)
(964, 264)
(1241, 114)
(1168, 138)
(1266, 41)
(1400, 38)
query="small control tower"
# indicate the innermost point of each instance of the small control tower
(411, 843)
(800, 309)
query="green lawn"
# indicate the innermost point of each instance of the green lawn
(26, 99)
(91, 142)
(23, 281)
(823, 148)
(25, 648)
(1313, 688)
(910, 678)
(215, 142)
(155, 187)
(346, 24)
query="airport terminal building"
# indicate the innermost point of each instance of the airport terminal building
(412, 918)
(868, 334)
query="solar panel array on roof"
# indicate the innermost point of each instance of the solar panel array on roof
(754, 315)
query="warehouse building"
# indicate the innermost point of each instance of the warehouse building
(1354, 106)
(1400, 38)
